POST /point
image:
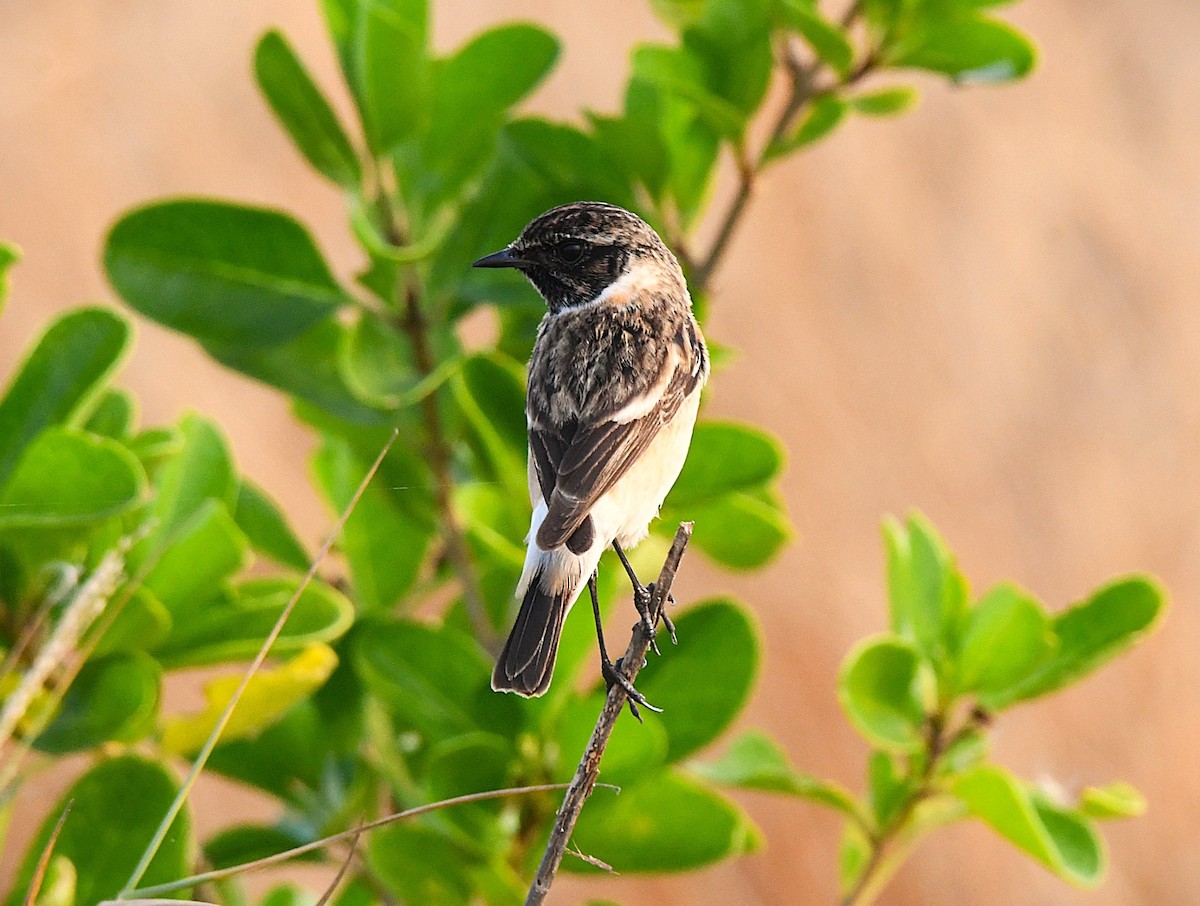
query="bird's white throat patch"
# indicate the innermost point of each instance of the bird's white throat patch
(642, 276)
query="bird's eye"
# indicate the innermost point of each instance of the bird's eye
(570, 252)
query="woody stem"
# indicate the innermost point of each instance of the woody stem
(415, 324)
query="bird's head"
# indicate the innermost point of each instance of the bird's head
(572, 254)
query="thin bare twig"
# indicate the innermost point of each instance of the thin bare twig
(267, 861)
(39, 873)
(584, 780)
(802, 89)
(341, 873)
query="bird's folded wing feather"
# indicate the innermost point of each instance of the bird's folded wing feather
(577, 464)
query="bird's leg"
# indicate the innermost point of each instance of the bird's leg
(643, 597)
(610, 671)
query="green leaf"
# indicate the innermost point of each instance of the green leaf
(635, 150)
(376, 362)
(9, 255)
(633, 751)
(142, 623)
(675, 71)
(223, 273)
(307, 369)
(201, 554)
(489, 392)
(1063, 841)
(679, 14)
(58, 884)
(154, 446)
(739, 530)
(754, 761)
(356, 891)
(244, 843)
(726, 457)
(304, 111)
(418, 864)
(62, 375)
(927, 593)
(972, 49)
(266, 528)
(666, 823)
(878, 689)
(203, 470)
(885, 102)
(287, 895)
(271, 692)
(1091, 633)
(392, 74)
(889, 789)
(1115, 800)
(854, 855)
(824, 115)
(114, 414)
(537, 165)
(495, 528)
(698, 701)
(474, 88)
(435, 679)
(288, 759)
(112, 698)
(468, 764)
(384, 544)
(232, 626)
(1007, 635)
(733, 43)
(693, 147)
(67, 479)
(827, 40)
(115, 808)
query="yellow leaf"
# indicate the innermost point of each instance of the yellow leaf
(271, 692)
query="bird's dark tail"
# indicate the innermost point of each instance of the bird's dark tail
(527, 661)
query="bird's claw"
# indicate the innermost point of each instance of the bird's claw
(612, 674)
(643, 600)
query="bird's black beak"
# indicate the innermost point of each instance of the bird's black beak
(506, 257)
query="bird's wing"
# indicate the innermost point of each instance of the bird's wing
(579, 463)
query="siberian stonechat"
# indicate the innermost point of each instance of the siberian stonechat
(614, 386)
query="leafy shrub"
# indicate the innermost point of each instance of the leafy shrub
(130, 551)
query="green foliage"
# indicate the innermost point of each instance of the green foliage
(115, 807)
(878, 688)
(60, 378)
(303, 110)
(67, 478)
(226, 274)
(924, 694)
(666, 823)
(9, 255)
(114, 697)
(378, 686)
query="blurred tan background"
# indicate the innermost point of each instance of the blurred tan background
(987, 309)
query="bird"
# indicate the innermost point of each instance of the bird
(614, 387)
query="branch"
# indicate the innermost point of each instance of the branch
(414, 323)
(802, 90)
(888, 845)
(352, 834)
(589, 766)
